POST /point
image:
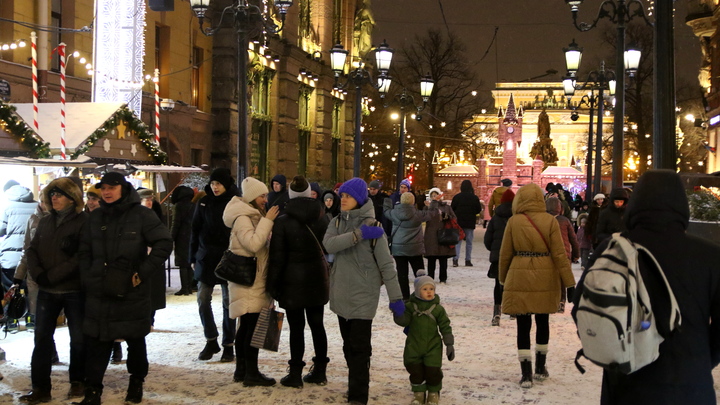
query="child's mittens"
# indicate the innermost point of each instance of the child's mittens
(450, 351)
(397, 307)
(449, 341)
(371, 232)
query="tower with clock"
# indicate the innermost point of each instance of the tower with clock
(510, 137)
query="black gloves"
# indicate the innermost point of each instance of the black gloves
(570, 294)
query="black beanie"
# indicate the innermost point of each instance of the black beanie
(222, 176)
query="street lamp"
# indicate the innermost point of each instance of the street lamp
(359, 77)
(245, 25)
(404, 100)
(620, 12)
(597, 80)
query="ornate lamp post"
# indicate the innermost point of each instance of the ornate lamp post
(619, 12)
(404, 100)
(359, 77)
(597, 80)
(247, 24)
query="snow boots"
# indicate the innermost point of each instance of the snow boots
(253, 376)
(92, 396)
(294, 378)
(317, 372)
(227, 355)
(541, 372)
(211, 347)
(496, 315)
(239, 374)
(418, 398)
(527, 377)
(433, 398)
(135, 390)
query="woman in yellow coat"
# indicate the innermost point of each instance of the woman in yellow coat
(533, 269)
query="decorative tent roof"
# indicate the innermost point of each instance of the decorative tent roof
(86, 124)
(459, 170)
(511, 112)
(561, 171)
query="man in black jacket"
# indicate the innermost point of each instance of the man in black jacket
(611, 218)
(657, 217)
(52, 262)
(466, 206)
(114, 245)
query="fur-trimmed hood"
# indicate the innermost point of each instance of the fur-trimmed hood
(69, 187)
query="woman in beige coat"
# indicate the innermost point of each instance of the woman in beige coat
(533, 268)
(251, 228)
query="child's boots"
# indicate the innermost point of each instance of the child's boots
(418, 398)
(433, 398)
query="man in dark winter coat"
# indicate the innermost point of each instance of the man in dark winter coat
(13, 221)
(52, 262)
(657, 218)
(278, 194)
(611, 218)
(466, 206)
(181, 231)
(210, 238)
(298, 278)
(378, 198)
(114, 246)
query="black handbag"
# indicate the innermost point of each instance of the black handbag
(17, 307)
(237, 269)
(448, 236)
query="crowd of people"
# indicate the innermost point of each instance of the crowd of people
(99, 261)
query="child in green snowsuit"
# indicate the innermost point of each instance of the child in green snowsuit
(424, 317)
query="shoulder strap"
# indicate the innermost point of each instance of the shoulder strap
(314, 237)
(538, 230)
(427, 312)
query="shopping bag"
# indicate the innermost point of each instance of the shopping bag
(267, 331)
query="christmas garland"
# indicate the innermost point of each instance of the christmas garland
(133, 124)
(10, 123)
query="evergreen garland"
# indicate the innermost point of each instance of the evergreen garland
(20, 130)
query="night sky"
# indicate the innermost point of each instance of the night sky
(530, 37)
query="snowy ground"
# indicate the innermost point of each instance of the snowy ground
(485, 371)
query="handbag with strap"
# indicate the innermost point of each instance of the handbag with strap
(237, 269)
(267, 330)
(451, 233)
(322, 252)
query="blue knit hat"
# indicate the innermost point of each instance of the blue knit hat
(406, 183)
(357, 189)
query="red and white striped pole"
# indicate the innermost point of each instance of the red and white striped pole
(156, 79)
(61, 53)
(33, 45)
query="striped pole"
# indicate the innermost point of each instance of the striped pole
(33, 45)
(156, 79)
(61, 53)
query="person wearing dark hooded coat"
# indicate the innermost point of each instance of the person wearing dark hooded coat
(378, 198)
(611, 218)
(466, 206)
(298, 279)
(210, 238)
(181, 231)
(493, 240)
(116, 237)
(52, 261)
(657, 218)
(13, 221)
(278, 194)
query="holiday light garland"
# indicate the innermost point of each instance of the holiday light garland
(133, 124)
(16, 127)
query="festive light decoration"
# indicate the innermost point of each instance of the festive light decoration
(119, 44)
(10, 123)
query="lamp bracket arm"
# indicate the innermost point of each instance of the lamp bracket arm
(635, 9)
(608, 10)
(210, 31)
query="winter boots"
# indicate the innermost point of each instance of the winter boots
(239, 374)
(317, 372)
(253, 376)
(527, 378)
(418, 398)
(211, 347)
(36, 396)
(433, 398)
(186, 278)
(468, 263)
(116, 353)
(541, 372)
(134, 391)
(92, 396)
(496, 315)
(227, 355)
(294, 378)
(455, 263)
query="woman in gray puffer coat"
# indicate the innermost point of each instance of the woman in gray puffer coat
(13, 222)
(407, 240)
(433, 250)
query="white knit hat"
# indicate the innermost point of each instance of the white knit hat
(435, 190)
(598, 196)
(252, 189)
